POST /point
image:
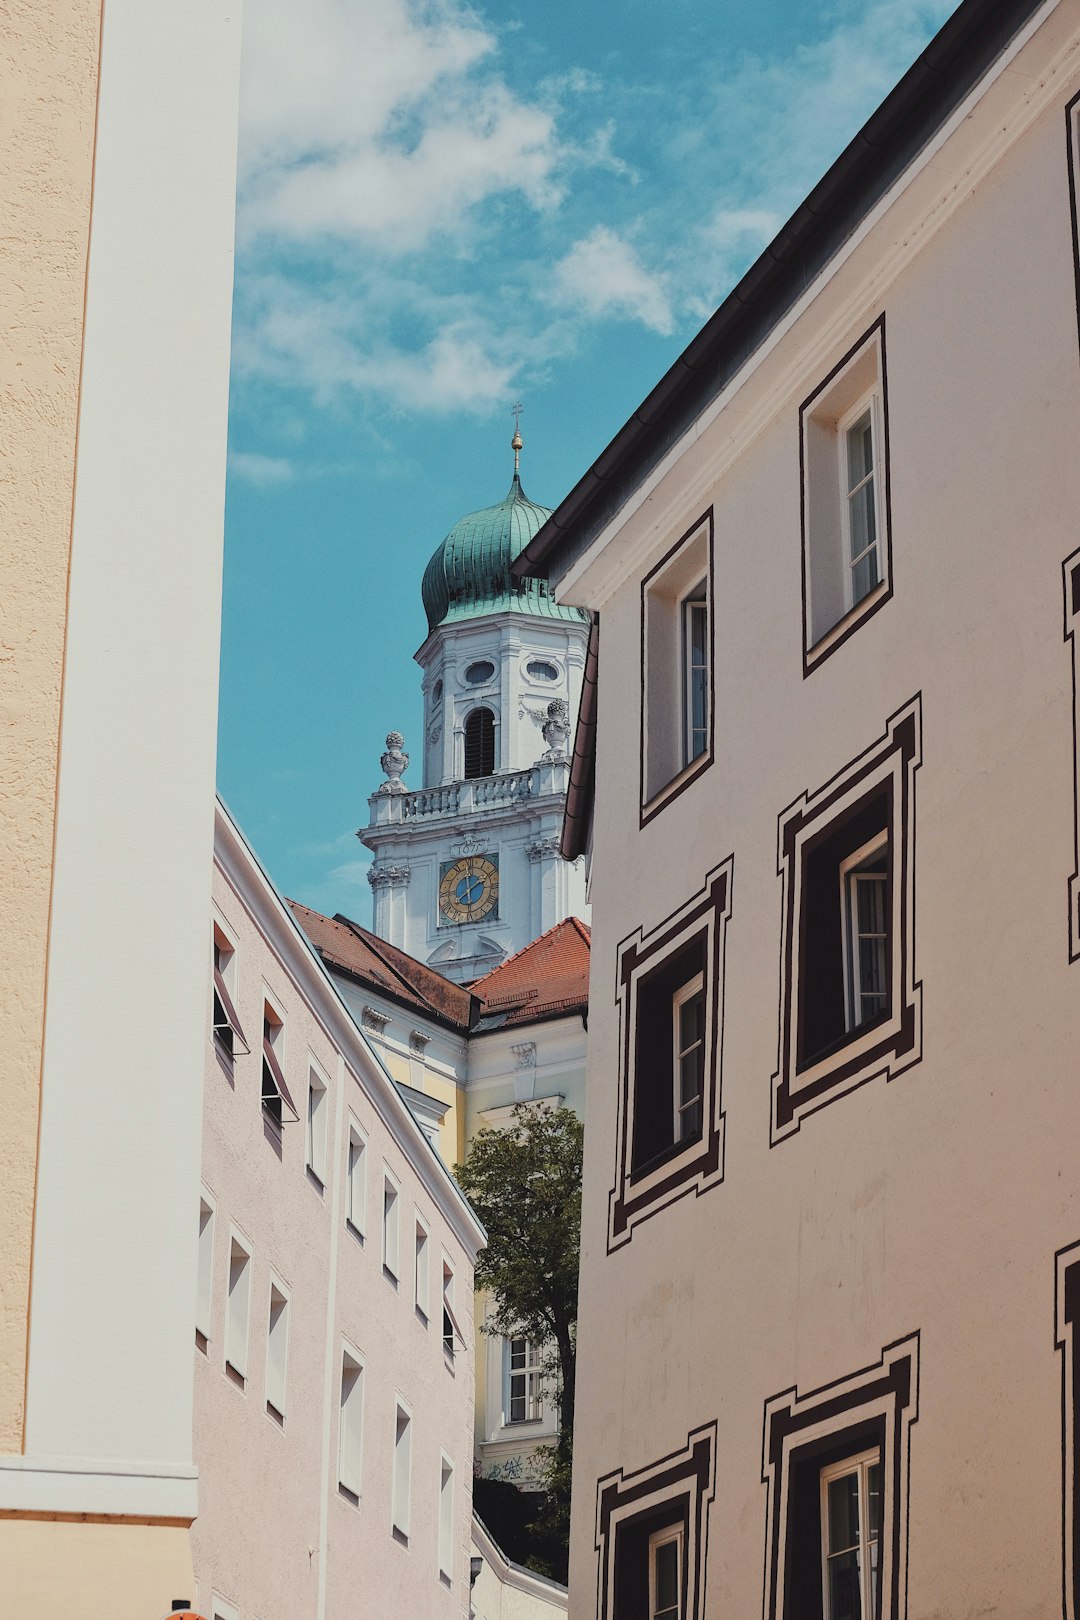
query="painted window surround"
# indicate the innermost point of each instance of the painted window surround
(677, 1489)
(665, 590)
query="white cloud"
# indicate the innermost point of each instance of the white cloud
(254, 468)
(602, 276)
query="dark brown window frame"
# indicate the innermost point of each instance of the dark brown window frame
(1067, 1339)
(890, 1045)
(1070, 576)
(652, 804)
(699, 1165)
(815, 652)
(800, 1428)
(682, 1483)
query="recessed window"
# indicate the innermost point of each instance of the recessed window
(850, 1006)
(479, 744)
(538, 669)
(480, 673)
(221, 1610)
(391, 1222)
(436, 693)
(356, 1180)
(228, 1034)
(666, 1573)
(523, 1380)
(670, 1066)
(316, 1126)
(677, 696)
(851, 1537)
(204, 1300)
(452, 1336)
(276, 1098)
(350, 1424)
(446, 1520)
(845, 498)
(423, 1271)
(237, 1311)
(402, 1472)
(277, 1352)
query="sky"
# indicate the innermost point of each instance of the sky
(443, 209)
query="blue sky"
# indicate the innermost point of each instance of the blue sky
(443, 209)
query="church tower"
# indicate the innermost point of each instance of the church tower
(467, 867)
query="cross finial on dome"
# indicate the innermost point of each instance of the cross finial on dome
(517, 443)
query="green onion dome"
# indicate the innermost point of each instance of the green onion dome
(469, 574)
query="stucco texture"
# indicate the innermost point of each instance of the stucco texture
(52, 1569)
(48, 90)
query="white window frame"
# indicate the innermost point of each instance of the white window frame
(230, 977)
(422, 1268)
(686, 992)
(658, 1539)
(317, 1113)
(401, 1472)
(455, 1333)
(356, 1177)
(533, 1374)
(849, 916)
(867, 402)
(391, 1226)
(276, 1039)
(446, 1519)
(222, 1609)
(277, 1350)
(351, 1420)
(238, 1307)
(204, 1292)
(860, 1464)
(695, 600)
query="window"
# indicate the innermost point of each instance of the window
(480, 743)
(523, 1381)
(204, 1299)
(653, 1533)
(851, 1537)
(446, 1520)
(670, 1068)
(221, 1610)
(277, 1351)
(390, 1228)
(538, 669)
(423, 1281)
(316, 1126)
(237, 1310)
(276, 1097)
(452, 1336)
(845, 498)
(402, 1471)
(436, 693)
(356, 1180)
(665, 1573)
(670, 992)
(227, 1029)
(677, 677)
(480, 673)
(350, 1424)
(850, 1006)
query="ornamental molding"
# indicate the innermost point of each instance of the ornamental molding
(418, 1042)
(388, 877)
(371, 1018)
(525, 1054)
(543, 849)
(470, 845)
(434, 734)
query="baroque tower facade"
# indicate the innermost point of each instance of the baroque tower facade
(467, 868)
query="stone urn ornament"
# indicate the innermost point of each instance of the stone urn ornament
(394, 763)
(556, 729)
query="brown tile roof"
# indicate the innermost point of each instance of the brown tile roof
(546, 979)
(343, 944)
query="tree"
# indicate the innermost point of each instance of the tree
(524, 1183)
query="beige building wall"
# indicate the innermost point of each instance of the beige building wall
(118, 184)
(918, 1216)
(48, 88)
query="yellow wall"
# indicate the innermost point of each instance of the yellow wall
(56, 1568)
(48, 93)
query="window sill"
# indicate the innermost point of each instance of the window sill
(350, 1226)
(423, 1318)
(446, 1581)
(316, 1181)
(401, 1537)
(667, 1156)
(841, 1044)
(390, 1276)
(202, 1342)
(272, 1412)
(235, 1376)
(843, 628)
(351, 1496)
(678, 784)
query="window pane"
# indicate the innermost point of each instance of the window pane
(692, 1021)
(845, 1598)
(860, 449)
(843, 1512)
(667, 1577)
(873, 1494)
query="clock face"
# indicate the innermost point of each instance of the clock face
(469, 889)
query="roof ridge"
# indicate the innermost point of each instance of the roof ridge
(562, 923)
(374, 944)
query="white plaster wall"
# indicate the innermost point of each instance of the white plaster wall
(274, 1533)
(934, 1203)
(114, 1255)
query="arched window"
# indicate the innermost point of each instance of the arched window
(480, 743)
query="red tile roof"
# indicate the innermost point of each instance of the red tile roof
(548, 978)
(362, 955)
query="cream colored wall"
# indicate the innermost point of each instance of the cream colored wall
(505, 1591)
(934, 1203)
(48, 89)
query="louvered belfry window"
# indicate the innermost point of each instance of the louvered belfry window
(480, 743)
